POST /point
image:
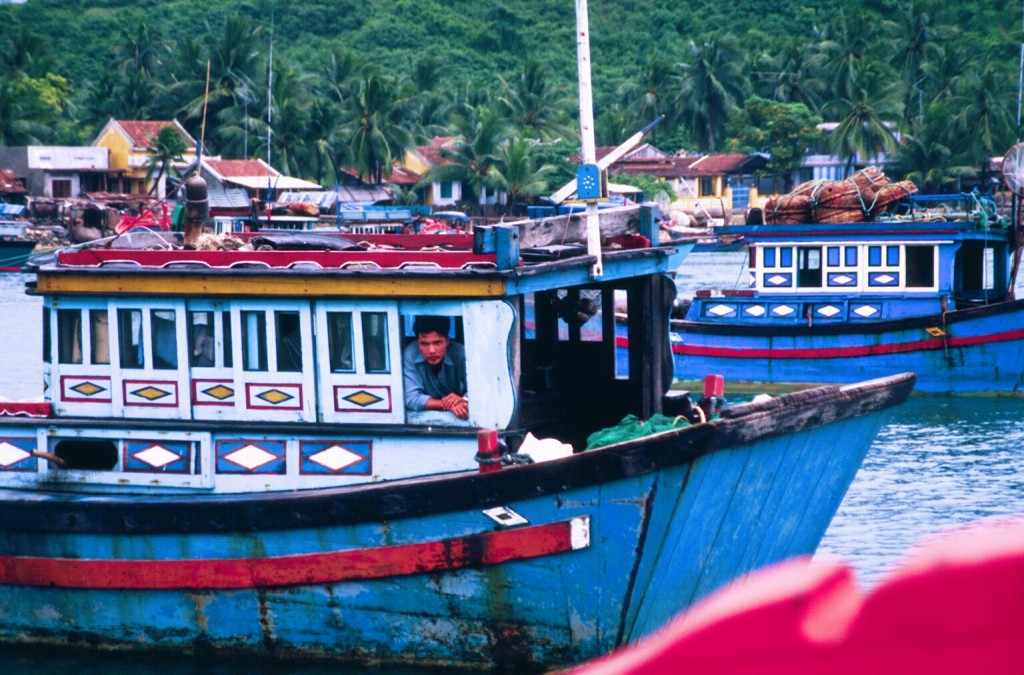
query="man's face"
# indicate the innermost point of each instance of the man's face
(433, 346)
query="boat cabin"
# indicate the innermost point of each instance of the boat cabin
(281, 366)
(934, 256)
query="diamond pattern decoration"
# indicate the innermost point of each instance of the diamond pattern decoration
(362, 398)
(841, 280)
(219, 392)
(274, 396)
(865, 311)
(11, 454)
(828, 311)
(755, 310)
(151, 393)
(336, 458)
(783, 310)
(777, 280)
(722, 310)
(156, 456)
(250, 457)
(87, 388)
(884, 280)
(350, 457)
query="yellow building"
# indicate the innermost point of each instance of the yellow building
(130, 142)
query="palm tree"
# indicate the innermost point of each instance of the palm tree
(865, 115)
(481, 132)
(711, 84)
(926, 157)
(650, 95)
(166, 148)
(516, 173)
(534, 104)
(914, 42)
(796, 74)
(379, 129)
(844, 49)
(984, 118)
(19, 120)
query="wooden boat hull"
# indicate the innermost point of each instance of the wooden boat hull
(613, 542)
(979, 350)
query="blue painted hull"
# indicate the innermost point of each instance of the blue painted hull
(973, 351)
(669, 518)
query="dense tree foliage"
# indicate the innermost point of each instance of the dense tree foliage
(357, 84)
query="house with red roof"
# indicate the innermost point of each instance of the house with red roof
(130, 144)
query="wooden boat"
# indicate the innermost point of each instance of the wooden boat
(286, 504)
(924, 290)
(952, 606)
(15, 246)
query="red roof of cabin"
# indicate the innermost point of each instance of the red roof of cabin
(238, 168)
(141, 131)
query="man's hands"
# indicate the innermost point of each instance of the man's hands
(456, 405)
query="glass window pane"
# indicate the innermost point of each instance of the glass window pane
(833, 256)
(375, 342)
(228, 354)
(289, 341)
(892, 255)
(851, 256)
(339, 340)
(769, 256)
(165, 339)
(46, 335)
(786, 257)
(129, 331)
(69, 335)
(254, 341)
(874, 256)
(200, 339)
(99, 329)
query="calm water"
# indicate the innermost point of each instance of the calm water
(939, 463)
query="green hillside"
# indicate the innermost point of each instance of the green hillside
(350, 75)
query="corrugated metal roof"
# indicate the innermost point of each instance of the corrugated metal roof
(230, 198)
(141, 131)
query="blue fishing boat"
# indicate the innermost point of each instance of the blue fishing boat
(15, 246)
(225, 460)
(926, 286)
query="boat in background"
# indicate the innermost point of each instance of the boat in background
(224, 463)
(952, 606)
(15, 246)
(925, 286)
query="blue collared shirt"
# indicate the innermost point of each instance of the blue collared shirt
(422, 384)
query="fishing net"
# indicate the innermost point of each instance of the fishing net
(632, 427)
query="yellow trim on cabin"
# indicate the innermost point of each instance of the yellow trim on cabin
(193, 286)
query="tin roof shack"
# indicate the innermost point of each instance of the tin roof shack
(259, 179)
(12, 190)
(130, 143)
(58, 171)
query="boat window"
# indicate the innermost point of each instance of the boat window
(588, 313)
(99, 334)
(289, 341)
(920, 266)
(200, 339)
(339, 341)
(769, 256)
(228, 354)
(254, 340)
(129, 331)
(874, 256)
(892, 256)
(375, 342)
(89, 455)
(832, 255)
(809, 269)
(785, 256)
(851, 256)
(46, 335)
(165, 339)
(69, 335)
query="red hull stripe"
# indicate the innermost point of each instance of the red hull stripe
(488, 548)
(860, 350)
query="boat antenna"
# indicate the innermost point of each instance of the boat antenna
(587, 129)
(270, 89)
(202, 128)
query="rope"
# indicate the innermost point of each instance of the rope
(506, 458)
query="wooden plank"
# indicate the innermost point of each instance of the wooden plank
(572, 228)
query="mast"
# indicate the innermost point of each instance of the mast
(587, 129)
(270, 98)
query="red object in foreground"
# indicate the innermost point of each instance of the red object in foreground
(487, 451)
(955, 605)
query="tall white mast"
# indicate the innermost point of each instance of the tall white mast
(587, 128)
